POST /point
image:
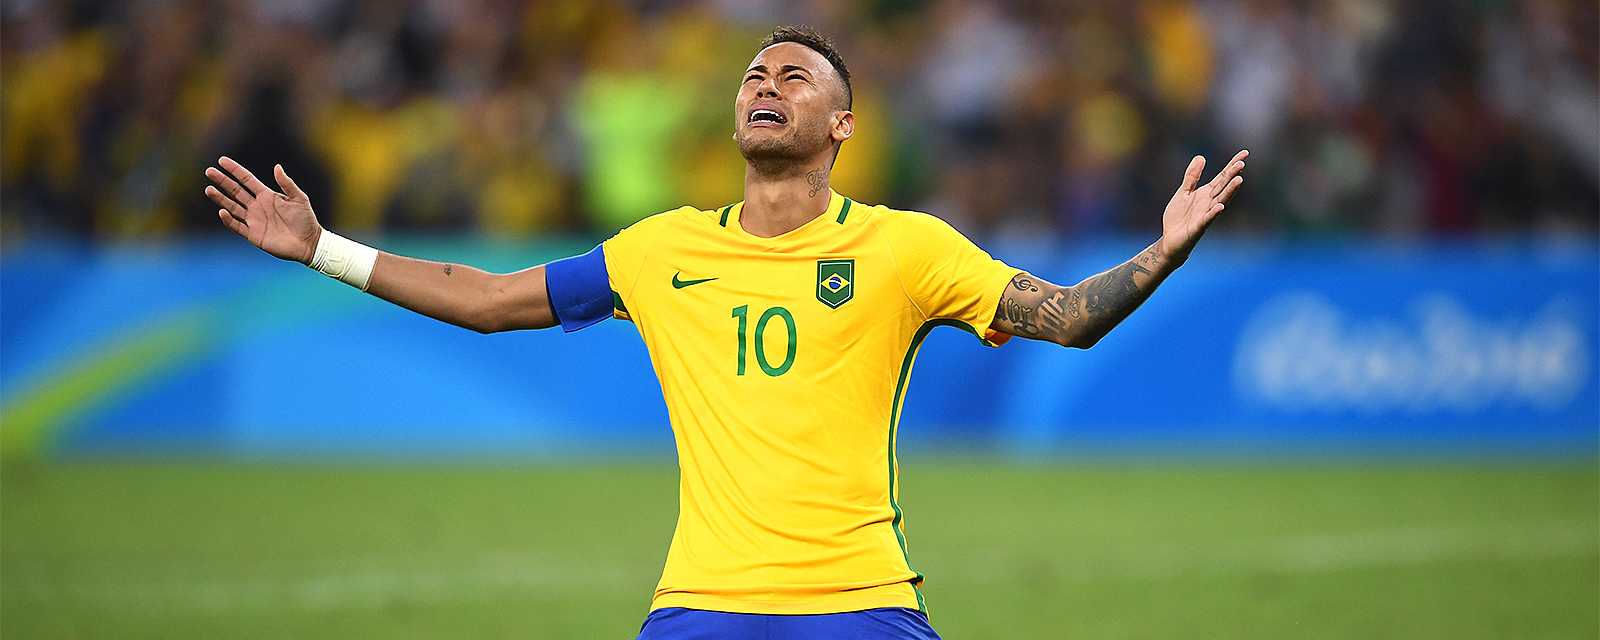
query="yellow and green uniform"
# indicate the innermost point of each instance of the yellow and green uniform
(784, 362)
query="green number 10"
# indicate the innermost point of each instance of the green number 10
(742, 312)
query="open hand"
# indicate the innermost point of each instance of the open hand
(1191, 210)
(281, 224)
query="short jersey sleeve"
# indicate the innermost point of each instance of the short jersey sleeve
(947, 276)
(625, 255)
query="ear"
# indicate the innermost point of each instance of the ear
(844, 126)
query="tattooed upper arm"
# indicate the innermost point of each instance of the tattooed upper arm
(1034, 308)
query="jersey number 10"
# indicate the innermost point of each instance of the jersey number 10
(742, 312)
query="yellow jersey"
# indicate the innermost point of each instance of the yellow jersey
(784, 362)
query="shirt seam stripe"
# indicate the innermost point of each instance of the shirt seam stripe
(894, 427)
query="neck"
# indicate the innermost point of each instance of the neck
(775, 204)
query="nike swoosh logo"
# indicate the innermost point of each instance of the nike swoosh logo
(679, 284)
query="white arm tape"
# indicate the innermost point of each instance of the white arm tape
(344, 259)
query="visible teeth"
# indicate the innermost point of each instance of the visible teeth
(772, 116)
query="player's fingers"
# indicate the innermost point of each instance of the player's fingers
(1225, 176)
(228, 186)
(233, 224)
(1233, 185)
(1191, 176)
(1232, 169)
(289, 187)
(244, 176)
(225, 202)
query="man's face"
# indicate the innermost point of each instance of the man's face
(787, 106)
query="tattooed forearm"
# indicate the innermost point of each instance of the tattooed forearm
(448, 268)
(1109, 297)
(1111, 291)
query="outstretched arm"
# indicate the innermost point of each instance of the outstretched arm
(283, 225)
(1079, 315)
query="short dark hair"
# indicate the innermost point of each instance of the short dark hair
(814, 40)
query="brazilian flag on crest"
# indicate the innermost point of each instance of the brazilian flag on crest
(833, 281)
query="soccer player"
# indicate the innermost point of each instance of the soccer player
(782, 329)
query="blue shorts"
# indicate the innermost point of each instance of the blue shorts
(892, 623)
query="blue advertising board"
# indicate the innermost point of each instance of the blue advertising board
(1332, 350)
(1251, 349)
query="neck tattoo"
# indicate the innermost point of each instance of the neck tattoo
(817, 178)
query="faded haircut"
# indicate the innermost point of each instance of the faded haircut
(814, 40)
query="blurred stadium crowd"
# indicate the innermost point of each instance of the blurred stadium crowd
(1039, 117)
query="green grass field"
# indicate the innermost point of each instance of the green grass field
(1069, 551)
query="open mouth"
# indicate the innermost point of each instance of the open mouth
(767, 116)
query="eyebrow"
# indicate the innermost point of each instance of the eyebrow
(784, 69)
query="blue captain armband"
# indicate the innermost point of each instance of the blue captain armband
(580, 291)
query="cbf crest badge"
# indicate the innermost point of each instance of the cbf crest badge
(834, 286)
